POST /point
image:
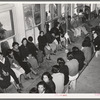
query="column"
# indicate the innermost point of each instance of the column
(59, 11)
(43, 17)
(66, 15)
(18, 16)
(72, 10)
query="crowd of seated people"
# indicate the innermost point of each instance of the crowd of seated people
(19, 62)
(22, 60)
(64, 74)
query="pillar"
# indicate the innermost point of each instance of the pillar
(19, 26)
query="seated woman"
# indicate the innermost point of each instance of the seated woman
(15, 65)
(32, 48)
(18, 58)
(47, 78)
(6, 72)
(87, 50)
(43, 88)
(58, 79)
(33, 62)
(79, 56)
(25, 51)
(63, 69)
(96, 43)
(73, 66)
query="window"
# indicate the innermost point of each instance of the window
(37, 16)
(7, 33)
(6, 25)
(32, 18)
(48, 13)
(63, 9)
(55, 7)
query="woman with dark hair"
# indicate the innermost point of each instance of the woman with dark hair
(47, 78)
(58, 79)
(24, 50)
(73, 66)
(87, 49)
(6, 72)
(79, 55)
(32, 48)
(96, 43)
(43, 88)
(42, 41)
(19, 59)
(63, 69)
(15, 65)
(27, 55)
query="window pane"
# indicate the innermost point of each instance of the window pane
(48, 14)
(36, 33)
(28, 16)
(63, 9)
(55, 10)
(37, 8)
(30, 33)
(37, 17)
(6, 45)
(10, 41)
(6, 25)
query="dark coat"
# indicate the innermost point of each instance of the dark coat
(65, 71)
(32, 49)
(18, 58)
(96, 43)
(51, 86)
(79, 56)
(42, 42)
(5, 83)
(24, 51)
(49, 37)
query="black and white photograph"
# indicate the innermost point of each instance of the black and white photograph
(50, 48)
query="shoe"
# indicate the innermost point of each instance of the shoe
(19, 90)
(21, 86)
